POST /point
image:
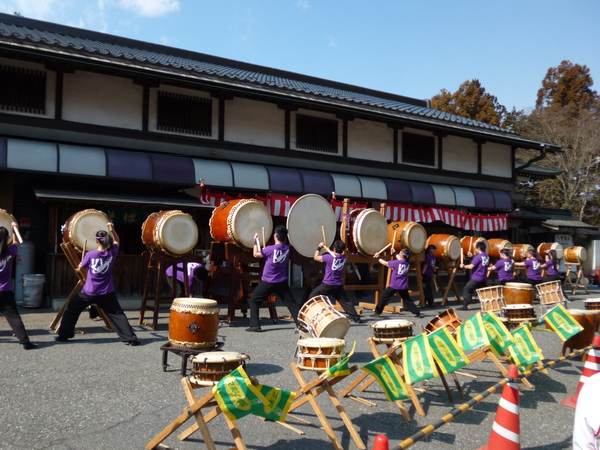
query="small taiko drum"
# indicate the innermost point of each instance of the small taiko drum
(172, 232)
(588, 319)
(575, 255)
(545, 247)
(447, 246)
(194, 323)
(495, 245)
(309, 218)
(592, 304)
(550, 292)
(518, 312)
(7, 219)
(392, 330)
(448, 318)
(320, 354)
(518, 293)
(321, 319)
(468, 244)
(239, 220)
(366, 231)
(82, 227)
(491, 298)
(210, 367)
(521, 251)
(411, 235)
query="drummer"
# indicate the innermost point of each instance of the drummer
(428, 268)
(274, 277)
(333, 284)
(479, 264)
(196, 273)
(552, 267)
(504, 266)
(398, 283)
(533, 266)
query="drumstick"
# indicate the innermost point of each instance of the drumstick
(462, 256)
(324, 238)
(84, 248)
(264, 242)
(383, 249)
(19, 238)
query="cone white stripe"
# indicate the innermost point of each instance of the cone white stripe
(510, 407)
(506, 433)
(592, 366)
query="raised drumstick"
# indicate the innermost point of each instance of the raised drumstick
(263, 234)
(18, 235)
(324, 238)
(383, 249)
(394, 241)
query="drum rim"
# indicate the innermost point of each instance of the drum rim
(232, 216)
(360, 218)
(218, 357)
(410, 225)
(518, 306)
(75, 218)
(327, 221)
(199, 301)
(525, 285)
(408, 323)
(158, 231)
(333, 344)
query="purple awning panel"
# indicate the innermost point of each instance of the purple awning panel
(422, 193)
(173, 169)
(502, 200)
(121, 164)
(483, 198)
(285, 180)
(317, 182)
(398, 191)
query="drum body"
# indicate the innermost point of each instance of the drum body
(515, 312)
(545, 247)
(496, 245)
(589, 321)
(518, 294)
(322, 320)
(592, 304)
(367, 232)
(193, 323)
(491, 298)
(550, 292)
(83, 226)
(210, 367)
(575, 255)
(308, 217)
(521, 251)
(6, 219)
(319, 354)
(447, 246)
(468, 243)
(172, 232)
(448, 318)
(392, 330)
(239, 220)
(409, 235)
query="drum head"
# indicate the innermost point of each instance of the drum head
(337, 328)
(178, 233)
(247, 218)
(5, 221)
(321, 342)
(306, 217)
(410, 235)
(513, 285)
(453, 248)
(393, 323)
(197, 302)
(370, 232)
(85, 225)
(216, 357)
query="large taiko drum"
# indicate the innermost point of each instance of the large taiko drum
(588, 319)
(172, 232)
(468, 244)
(518, 294)
(447, 246)
(210, 367)
(448, 318)
(6, 219)
(194, 323)
(321, 319)
(392, 330)
(545, 247)
(320, 354)
(310, 216)
(409, 235)
(82, 227)
(521, 251)
(575, 255)
(367, 231)
(239, 220)
(495, 245)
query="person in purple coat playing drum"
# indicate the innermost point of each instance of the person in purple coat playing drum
(552, 266)
(99, 290)
(274, 277)
(504, 266)
(333, 284)
(398, 283)
(196, 273)
(428, 272)
(479, 264)
(534, 268)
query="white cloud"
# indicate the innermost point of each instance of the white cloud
(303, 4)
(34, 9)
(150, 8)
(332, 42)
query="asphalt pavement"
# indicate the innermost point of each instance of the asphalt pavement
(94, 392)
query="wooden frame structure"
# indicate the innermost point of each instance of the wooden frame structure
(579, 278)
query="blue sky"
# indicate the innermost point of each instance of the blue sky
(407, 47)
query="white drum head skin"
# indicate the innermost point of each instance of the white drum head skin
(337, 328)
(248, 218)
(370, 232)
(321, 343)
(393, 323)
(5, 221)
(560, 251)
(513, 285)
(179, 233)
(217, 357)
(306, 217)
(415, 237)
(453, 248)
(85, 225)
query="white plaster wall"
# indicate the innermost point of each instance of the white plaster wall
(422, 133)
(315, 114)
(255, 123)
(50, 86)
(459, 154)
(370, 140)
(496, 160)
(102, 100)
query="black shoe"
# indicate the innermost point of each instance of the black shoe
(254, 329)
(464, 308)
(358, 320)
(29, 346)
(61, 339)
(419, 316)
(133, 343)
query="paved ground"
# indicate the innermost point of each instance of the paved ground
(96, 393)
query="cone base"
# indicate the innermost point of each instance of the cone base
(570, 401)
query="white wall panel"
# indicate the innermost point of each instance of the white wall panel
(254, 123)
(459, 154)
(370, 140)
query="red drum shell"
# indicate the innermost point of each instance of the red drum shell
(521, 251)
(172, 232)
(194, 323)
(468, 244)
(589, 321)
(519, 294)
(448, 318)
(411, 235)
(545, 247)
(495, 245)
(447, 246)
(575, 255)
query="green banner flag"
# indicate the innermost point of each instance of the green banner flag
(498, 335)
(446, 351)
(236, 395)
(418, 360)
(341, 369)
(276, 403)
(471, 333)
(562, 322)
(385, 372)
(524, 351)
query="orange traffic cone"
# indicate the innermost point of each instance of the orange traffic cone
(591, 366)
(506, 428)
(381, 442)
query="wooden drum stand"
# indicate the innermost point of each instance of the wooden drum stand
(579, 280)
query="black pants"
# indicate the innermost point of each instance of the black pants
(428, 290)
(109, 304)
(404, 295)
(262, 292)
(533, 282)
(8, 307)
(337, 292)
(470, 288)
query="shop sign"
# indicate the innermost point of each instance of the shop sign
(127, 216)
(566, 240)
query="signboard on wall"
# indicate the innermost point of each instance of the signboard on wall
(566, 240)
(127, 216)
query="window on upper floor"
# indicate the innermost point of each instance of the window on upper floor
(22, 90)
(418, 149)
(184, 114)
(316, 133)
